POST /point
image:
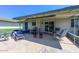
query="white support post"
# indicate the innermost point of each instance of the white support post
(74, 27)
(20, 25)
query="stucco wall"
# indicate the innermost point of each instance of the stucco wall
(63, 23)
(30, 25)
(59, 23)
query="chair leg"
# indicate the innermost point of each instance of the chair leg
(15, 39)
(40, 35)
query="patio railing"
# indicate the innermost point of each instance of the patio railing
(72, 36)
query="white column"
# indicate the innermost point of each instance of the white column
(74, 28)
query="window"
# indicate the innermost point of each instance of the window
(46, 26)
(46, 23)
(33, 23)
(76, 22)
(51, 26)
(72, 22)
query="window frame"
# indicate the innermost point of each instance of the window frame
(33, 23)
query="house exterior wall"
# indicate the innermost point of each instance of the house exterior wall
(63, 23)
(58, 23)
(30, 24)
(62, 19)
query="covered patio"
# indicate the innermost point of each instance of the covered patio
(51, 22)
(48, 22)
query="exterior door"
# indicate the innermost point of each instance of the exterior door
(26, 25)
(49, 26)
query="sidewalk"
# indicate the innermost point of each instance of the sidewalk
(29, 46)
(68, 46)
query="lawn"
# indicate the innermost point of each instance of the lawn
(8, 30)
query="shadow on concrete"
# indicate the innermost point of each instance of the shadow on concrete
(46, 40)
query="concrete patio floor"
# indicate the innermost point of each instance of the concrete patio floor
(35, 45)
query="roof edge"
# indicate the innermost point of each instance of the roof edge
(51, 11)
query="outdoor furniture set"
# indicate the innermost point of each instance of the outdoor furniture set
(19, 34)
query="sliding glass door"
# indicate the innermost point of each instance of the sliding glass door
(49, 26)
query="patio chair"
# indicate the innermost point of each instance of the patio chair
(17, 35)
(26, 31)
(35, 32)
(61, 34)
(40, 33)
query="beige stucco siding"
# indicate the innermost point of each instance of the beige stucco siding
(30, 25)
(63, 23)
(58, 23)
(38, 23)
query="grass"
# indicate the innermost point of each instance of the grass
(8, 30)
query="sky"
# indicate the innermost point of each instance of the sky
(12, 11)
